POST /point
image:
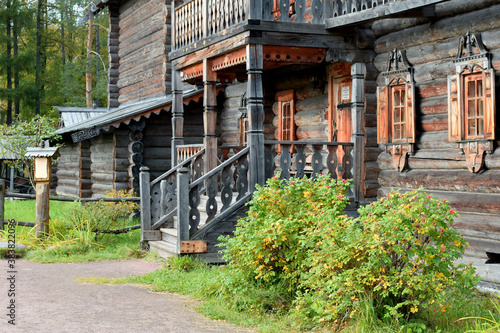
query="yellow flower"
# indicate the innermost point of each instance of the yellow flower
(414, 309)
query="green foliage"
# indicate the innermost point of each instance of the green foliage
(15, 139)
(183, 263)
(273, 242)
(487, 324)
(102, 215)
(395, 259)
(400, 251)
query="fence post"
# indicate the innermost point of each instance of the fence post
(2, 204)
(182, 206)
(144, 184)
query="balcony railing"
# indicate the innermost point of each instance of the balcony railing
(199, 19)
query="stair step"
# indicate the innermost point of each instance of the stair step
(169, 235)
(163, 249)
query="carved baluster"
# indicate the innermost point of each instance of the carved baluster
(337, 8)
(363, 5)
(267, 8)
(285, 161)
(300, 10)
(346, 161)
(242, 178)
(155, 202)
(333, 160)
(300, 161)
(317, 11)
(212, 189)
(227, 192)
(197, 167)
(346, 7)
(355, 6)
(284, 8)
(269, 161)
(194, 212)
(317, 160)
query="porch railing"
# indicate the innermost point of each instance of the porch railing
(185, 152)
(300, 158)
(199, 19)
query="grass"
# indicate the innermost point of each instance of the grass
(66, 242)
(227, 298)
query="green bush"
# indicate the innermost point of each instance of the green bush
(400, 251)
(397, 256)
(273, 241)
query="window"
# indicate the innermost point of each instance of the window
(471, 102)
(395, 110)
(242, 130)
(286, 114)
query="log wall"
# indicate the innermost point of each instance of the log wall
(438, 164)
(101, 156)
(144, 41)
(73, 170)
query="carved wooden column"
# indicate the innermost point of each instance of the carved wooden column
(358, 72)
(177, 114)
(135, 150)
(209, 115)
(255, 106)
(114, 58)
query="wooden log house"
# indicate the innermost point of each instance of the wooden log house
(392, 94)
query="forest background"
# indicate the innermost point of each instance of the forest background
(50, 56)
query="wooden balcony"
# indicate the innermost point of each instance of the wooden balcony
(204, 22)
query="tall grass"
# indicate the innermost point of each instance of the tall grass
(70, 239)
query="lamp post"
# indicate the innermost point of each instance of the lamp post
(42, 176)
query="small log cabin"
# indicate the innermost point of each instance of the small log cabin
(392, 94)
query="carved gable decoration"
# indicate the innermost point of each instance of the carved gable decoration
(396, 109)
(471, 101)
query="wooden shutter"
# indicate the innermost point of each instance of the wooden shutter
(489, 104)
(454, 109)
(383, 114)
(410, 112)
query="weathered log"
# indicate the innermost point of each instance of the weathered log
(104, 178)
(314, 103)
(485, 203)
(120, 176)
(235, 90)
(443, 180)
(157, 153)
(309, 118)
(312, 132)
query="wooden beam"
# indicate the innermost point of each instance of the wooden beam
(194, 246)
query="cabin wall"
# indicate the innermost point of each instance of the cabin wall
(73, 170)
(438, 164)
(144, 41)
(101, 156)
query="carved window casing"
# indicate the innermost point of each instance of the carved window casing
(471, 101)
(396, 109)
(242, 130)
(286, 116)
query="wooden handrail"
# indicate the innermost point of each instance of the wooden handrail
(178, 166)
(311, 143)
(219, 167)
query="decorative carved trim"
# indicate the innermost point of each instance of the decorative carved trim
(399, 73)
(231, 59)
(466, 46)
(399, 153)
(474, 153)
(472, 59)
(293, 55)
(192, 72)
(85, 134)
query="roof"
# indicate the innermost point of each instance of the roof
(6, 155)
(74, 115)
(134, 111)
(123, 114)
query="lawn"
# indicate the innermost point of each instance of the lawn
(71, 238)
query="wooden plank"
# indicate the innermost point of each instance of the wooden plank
(151, 235)
(194, 246)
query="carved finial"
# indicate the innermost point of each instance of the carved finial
(467, 43)
(397, 61)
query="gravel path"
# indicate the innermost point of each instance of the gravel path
(48, 298)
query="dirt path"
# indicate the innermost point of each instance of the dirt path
(48, 298)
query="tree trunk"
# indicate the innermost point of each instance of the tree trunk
(9, 64)
(38, 56)
(88, 75)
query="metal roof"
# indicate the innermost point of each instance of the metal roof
(122, 114)
(74, 115)
(6, 155)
